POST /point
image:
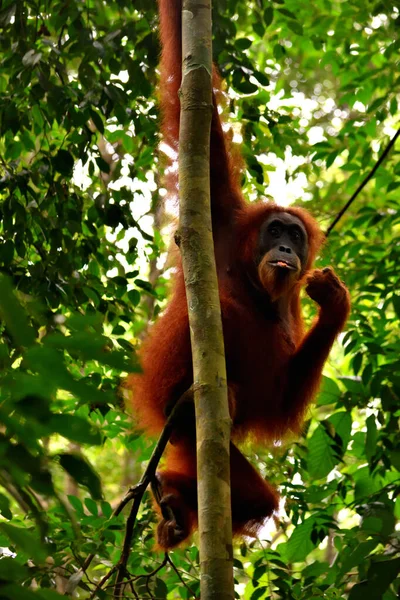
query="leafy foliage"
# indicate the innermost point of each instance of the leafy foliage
(314, 92)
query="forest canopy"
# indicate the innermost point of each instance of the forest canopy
(86, 261)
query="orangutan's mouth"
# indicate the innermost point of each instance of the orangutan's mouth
(283, 264)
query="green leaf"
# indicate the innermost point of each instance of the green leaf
(394, 185)
(258, 28)
(259, 593)
(371, 438)
(245, 86)
(329, 393)
(11, 570)
(106, 509)
(24, 541)
(160, 588)
(82, 472)
(295, 27)
(97, 120)
(376, 103)
(63, 162)
(396, 305)
(299, 545)
(261, 78)
(279, 51)
(342, 423)
(145, 285)
(316, 569)
(380, 575)
(76, 504)
(367, 374)
(134, 297)
(350, 558)
(14, 316)
(394, 456)
(378, 519)
(102, 164)
(321, 455)
(243, 43)
(91, 506)
(331, 158)
(366, 485)
(16, 592)
(50, 364)
(352, 385)
(268, 15)
(75, 428)
(92, 295)
(47, 594)
(92, 347)
(287, 13)
(259, 572)
(7, 253)
(5, 507)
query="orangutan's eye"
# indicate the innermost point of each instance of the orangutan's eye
(275, 230)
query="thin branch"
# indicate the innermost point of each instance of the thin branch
(59, 41)
(136, 493)
(134, 592)
(145, 575)
(179, 575)
(149, 590)
(23, 503)
(28, 502)
(364, 182)
(103, 580)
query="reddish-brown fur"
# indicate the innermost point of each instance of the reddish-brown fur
(273, 368)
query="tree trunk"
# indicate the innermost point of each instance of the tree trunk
(196, 243)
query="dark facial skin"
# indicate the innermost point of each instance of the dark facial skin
(284, 241)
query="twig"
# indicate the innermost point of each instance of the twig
(27, 500)
(60, 37)
(136, 493)
(23, 503)
(145, 575)
(149, 590)
(134, 592)
(179, 575)
(103, 580)
(364, 182)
